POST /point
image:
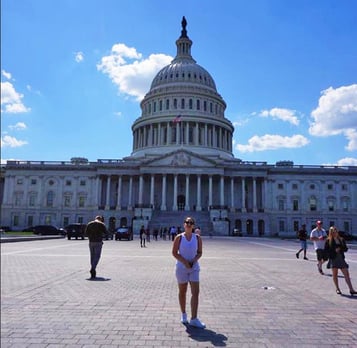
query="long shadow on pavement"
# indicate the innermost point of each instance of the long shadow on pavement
(205, 335)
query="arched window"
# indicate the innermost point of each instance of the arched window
(50, 198)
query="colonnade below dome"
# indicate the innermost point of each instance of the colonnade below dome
(185, 133)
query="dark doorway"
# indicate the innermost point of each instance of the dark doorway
(181, 202)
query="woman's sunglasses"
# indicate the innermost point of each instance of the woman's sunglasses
(189, 222)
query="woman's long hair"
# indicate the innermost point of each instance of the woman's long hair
(330, 236)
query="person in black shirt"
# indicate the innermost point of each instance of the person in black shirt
(95, 231)
(302, 235)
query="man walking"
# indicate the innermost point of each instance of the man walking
(302, 235)
(318, 236)
(95, 231)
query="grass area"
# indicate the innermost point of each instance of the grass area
(23, 234)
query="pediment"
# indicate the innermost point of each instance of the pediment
(181, 158)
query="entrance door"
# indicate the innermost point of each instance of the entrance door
(181, 202)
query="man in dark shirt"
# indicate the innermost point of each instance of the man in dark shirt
(302, 235)
(95, 231)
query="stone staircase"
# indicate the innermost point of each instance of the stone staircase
(176, 218)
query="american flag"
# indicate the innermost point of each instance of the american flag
(177, 119)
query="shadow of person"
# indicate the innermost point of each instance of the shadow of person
(98, 279)
(205, 335)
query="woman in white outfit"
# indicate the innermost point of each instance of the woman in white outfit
(187, 250)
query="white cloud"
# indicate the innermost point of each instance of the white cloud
(337, 114)
(11, 99)
(6, 74)
(129, 71)
(272, 142)
(285, 115)
(18, 126)
(347, 161)
(79, 56)
(8, 141)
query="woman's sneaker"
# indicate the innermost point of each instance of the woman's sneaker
(184, 318)
(197, 323)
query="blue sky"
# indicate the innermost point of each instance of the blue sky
(73, 73)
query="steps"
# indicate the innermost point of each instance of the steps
(161, 219)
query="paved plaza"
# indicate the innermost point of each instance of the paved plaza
(254, 293)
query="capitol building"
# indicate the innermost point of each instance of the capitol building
(181, 164)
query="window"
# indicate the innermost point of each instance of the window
(19, 181)
(330, 187)
(65, 221)
(175, 103)
(18, 197)
(280, 186)
(281, 204)
(331, 205)
(67, 201)
(32, 200)
(48, 220)
(295, 205)
(205, 105)
(296, 225)
(281, 226)
(345, 205)
(182, 103)
(190, 104)
(167, 104)
(51, 182)
(346, 226)
(30, 220)
(198, 104)
(154, 106)
(82, 201)
(33, 181)
(16, 220)
(295, 186)
(312, 187)
(160, 105)
(50, 197)
(82, 183)
(80, 219)
(344, 187)
(68, 182)
(312, 203)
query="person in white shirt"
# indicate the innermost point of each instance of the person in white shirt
(187, 250)
(318, 236)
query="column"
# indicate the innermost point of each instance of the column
(98, 184)
(163, 194)
(130, 204)
(152, 191)
(210, 191)
(196, 140)
(169, 136)
(255, 209)
(221, 190)
(141, 186)
(244, 210)
(206, 136)
(198, 204)
(187, 205)
(232, 194)
(120, 183)
(174, 206)
(107, 202)
(178, 135)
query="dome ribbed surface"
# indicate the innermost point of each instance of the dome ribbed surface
(185, 72)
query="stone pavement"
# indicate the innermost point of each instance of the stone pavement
(254, 293)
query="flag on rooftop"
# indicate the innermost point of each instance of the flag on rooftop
(177, 119)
